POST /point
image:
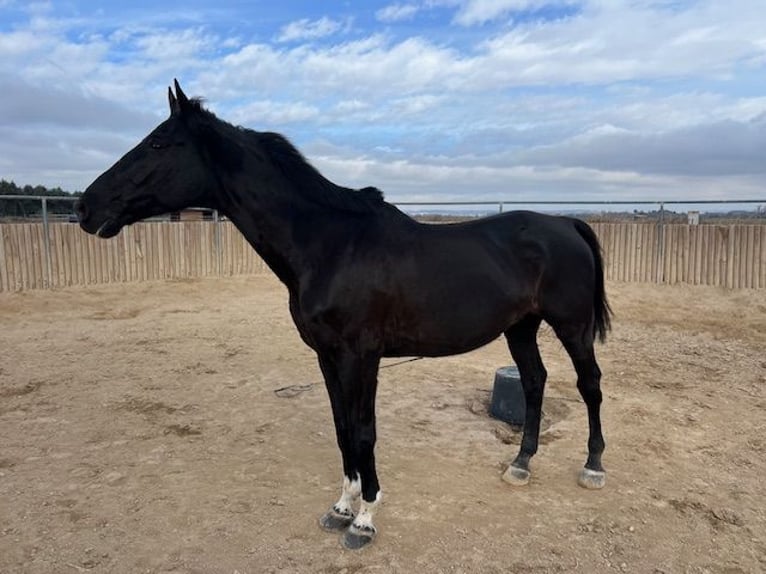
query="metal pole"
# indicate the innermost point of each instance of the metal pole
(47, 245)
(501, 207)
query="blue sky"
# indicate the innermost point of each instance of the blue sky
(426, 99)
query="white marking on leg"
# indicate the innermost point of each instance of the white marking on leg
(363, 520)
(352, 489)
(592, 479)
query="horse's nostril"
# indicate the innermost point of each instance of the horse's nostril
(80, 210)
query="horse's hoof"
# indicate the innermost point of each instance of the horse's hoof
(357, 537)
(334, 521)
(516, 476)
(592, 479)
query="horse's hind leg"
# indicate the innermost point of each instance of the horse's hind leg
(578, 341)
(522, 342)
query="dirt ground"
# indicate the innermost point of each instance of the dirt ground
(140, 432)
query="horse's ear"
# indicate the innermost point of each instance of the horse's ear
(173, 102)
(182, 102)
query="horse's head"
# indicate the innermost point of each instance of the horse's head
(167, 171)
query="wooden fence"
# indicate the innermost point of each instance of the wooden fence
(141, 252)
(731, 256)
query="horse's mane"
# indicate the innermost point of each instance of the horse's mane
(311, 184)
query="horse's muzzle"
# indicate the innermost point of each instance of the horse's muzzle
(106, 228)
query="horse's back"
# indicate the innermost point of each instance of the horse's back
(532, 240)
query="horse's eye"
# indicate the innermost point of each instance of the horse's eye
(156, 145)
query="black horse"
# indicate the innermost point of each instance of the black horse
(366, 281)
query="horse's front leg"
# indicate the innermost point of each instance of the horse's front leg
(353, 404)
(341, 514)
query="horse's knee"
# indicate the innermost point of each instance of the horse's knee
(590, 390)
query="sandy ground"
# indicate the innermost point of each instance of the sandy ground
(140, 432)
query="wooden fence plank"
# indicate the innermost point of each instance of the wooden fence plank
(63, 249)
(746, 258)
(635, 252)
(651, 248)
(699, 253)
(759, 281)
(762, 251)
(649, 242)
(26, 256)
(4, 275)
(730, 263)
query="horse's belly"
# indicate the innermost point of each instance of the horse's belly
(449, 331)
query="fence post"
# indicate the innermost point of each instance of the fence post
(661, 245)
(47, 246)
(218, 246)
(501, 207)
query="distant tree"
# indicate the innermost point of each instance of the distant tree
(32, 207)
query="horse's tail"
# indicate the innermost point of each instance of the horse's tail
(601, 310)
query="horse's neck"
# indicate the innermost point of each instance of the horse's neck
(286, 235)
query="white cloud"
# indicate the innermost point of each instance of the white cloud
(397, 12)
(18, 42)
(725, 148)
(306, 29)
(476, 12)
(191, 42)
(611, 43)
(25, 105)
(420, 104)
(369, 68)
(351, 106)
(266, 114)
